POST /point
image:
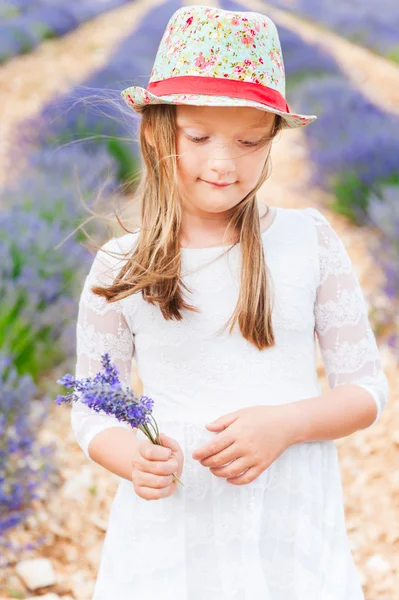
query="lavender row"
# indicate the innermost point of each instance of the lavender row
(25, 23)
(353, 145)
(38, 289)
(25, 464)
(360, 21)
(70, 148)
(73, 147)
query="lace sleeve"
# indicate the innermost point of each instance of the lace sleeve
(101, 327)
(347, 342)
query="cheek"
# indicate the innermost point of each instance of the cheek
(251, 168)
(189, 161)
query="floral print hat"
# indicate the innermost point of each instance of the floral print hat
(213, 57)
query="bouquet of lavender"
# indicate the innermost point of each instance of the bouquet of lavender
(104, 392)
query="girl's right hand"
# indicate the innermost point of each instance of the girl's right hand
(152, 472)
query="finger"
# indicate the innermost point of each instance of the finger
(163, 467)
(250, 475)
(152, 493)
(155, 452)
(153, 481)
(225, 421)
(169, 442)
(217, 445)
(234, 469)
(223, 457)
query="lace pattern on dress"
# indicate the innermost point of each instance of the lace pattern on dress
(101, 327)
(347, 342)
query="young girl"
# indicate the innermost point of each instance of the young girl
(219, 299)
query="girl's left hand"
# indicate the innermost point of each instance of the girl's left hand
(253, 437)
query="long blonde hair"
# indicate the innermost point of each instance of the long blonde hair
(154, 268)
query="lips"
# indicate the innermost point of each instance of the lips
(216, 184)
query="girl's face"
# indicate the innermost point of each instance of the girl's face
(226, 145)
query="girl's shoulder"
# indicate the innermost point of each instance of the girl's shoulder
(310, 228)
(121, 246)
(111, 256)
(306, 215)
(304, 222)
(316, 217)
(324, 230)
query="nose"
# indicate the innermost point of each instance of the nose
(220, 161)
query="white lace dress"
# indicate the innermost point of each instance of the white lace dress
(283, 536)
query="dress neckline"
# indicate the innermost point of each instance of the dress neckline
(188, 250)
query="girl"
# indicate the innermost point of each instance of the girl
(220, 300)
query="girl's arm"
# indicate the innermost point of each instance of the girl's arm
(359, 387)
(101, 327)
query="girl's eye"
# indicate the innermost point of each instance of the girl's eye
(198, 140)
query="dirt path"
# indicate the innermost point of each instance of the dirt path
(75, 516)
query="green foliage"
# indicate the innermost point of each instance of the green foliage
(351, 196)
(128, 164)
(393, 54)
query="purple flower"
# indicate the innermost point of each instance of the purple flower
(26, 23)
(357, 20)
(26, 466)
(104, 392)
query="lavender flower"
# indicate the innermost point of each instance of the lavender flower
(104, 392)
(26, 466)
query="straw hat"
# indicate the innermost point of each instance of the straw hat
(213, 57)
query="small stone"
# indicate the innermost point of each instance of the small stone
(31, 522)
(72, 554)
(76, 488)
(42, 493)
(82, 585)
(94, 555)
(57, 530)
(377, 564)
(36, 573)
(395, 438)
(99, 522)
(42, 516)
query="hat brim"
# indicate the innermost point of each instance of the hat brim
(136, 97)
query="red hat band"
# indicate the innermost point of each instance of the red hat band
(217, 86)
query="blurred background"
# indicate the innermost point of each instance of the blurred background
(67, 149)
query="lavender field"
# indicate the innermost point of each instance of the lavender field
(81, 143)
(375, 26)
(74, 139)
(26, 23)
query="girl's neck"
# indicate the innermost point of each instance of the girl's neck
(266, 218)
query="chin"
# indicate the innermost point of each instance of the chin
(215, 208)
